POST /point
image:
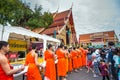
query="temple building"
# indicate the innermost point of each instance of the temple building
(99, 38)
(62, 27)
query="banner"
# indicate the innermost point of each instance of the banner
(17, 45)
(34, 39)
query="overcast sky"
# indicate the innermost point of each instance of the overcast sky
(89, 15)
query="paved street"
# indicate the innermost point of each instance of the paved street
(81, 75)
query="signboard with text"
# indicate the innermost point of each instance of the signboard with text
(17, 45)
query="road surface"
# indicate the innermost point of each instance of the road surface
(81, 75)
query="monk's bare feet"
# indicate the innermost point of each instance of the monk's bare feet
(64, 79)
(87, 71)
(76, 70)
(81, 69)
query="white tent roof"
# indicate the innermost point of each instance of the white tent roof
(49, 38)
(23, 31)
(19, 30)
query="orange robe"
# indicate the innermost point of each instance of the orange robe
(79, 58)
(70, 63)
(33, 72)
(50, 71)
(66, 60)
(74, 58)
(83, 57)
(3, 75)
(61, 66)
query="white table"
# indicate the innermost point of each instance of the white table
(26, 68)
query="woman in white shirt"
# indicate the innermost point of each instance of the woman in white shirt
(96, 59)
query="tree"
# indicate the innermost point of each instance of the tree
(19, 14)
(40, 20)
(8, 10)
(14, 12)
(47, 18)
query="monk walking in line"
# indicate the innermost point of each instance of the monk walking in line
(33, 72)
(6, 71)
(70, 68)
(61, 66)
(70, 61)
(66, 57)
(50, 71)
(79, 58)
(83, 56)
(75, 59)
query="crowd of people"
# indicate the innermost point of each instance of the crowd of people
(103, 62)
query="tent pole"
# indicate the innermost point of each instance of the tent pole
(44, 45)
(2, 33)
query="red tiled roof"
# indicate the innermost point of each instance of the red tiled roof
(50, 31)
(71, 19)
(59, 18)
(58, 21)
(61, 15)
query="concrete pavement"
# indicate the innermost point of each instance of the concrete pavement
(81, 75)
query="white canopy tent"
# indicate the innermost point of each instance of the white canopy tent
(6, 30)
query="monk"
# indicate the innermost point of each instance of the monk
(84, 54)
(74, 58)
(61, 66)
(79, 58)
(6, 71)
(70, 63)
(80, 55)
(33, 72)
(50, 71)
(66, 57)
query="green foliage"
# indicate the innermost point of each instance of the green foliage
(19, 14)
(40, 20)
(8, 9)
(48, 19)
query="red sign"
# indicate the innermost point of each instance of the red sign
(13, 55)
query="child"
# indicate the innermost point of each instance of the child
(104, 70)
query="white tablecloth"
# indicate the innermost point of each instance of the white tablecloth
(22, 72)
(26, 68)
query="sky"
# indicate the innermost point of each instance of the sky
(89, 15)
